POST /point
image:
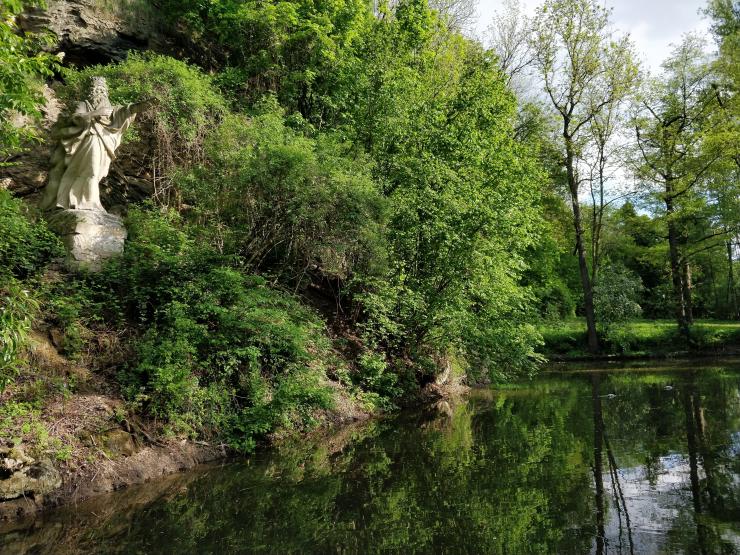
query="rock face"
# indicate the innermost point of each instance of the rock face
(21, 475)
(95, 31)
(90, 237)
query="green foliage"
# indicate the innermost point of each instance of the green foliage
(26, 247)
(286, 201)
(17, 309)
(22, 67)
(375, 376)
(289, 47)
(223, 353)
(438, 120)
(186, 102)
(643, 337)
(616, 294)
(185, 107)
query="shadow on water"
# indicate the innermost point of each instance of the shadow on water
(590, 462)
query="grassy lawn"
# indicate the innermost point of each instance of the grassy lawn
(642, 337)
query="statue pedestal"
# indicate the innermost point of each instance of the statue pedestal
(90, 237)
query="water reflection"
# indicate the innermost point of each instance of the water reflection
(618, 462)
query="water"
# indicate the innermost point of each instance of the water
(641, 461)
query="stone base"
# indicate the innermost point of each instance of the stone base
(90, 237)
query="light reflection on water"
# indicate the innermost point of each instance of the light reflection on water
(604, 462)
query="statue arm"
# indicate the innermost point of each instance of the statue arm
(124, 115)
(134, 108)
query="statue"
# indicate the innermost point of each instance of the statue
(87, 143)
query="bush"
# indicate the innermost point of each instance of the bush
(615, 295)
(233, 357)
(23, 66)
(615, 301)
(26, 247)
(285, 201)
(222, 354)
(374, 375)
(17, 308)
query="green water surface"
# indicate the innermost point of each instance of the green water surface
(609, 461)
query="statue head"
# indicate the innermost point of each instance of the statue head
(98, 91)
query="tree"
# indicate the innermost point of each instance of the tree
(508, 38)
(584, 70)
(435, 115)
(459, 15)
(671, 125)
(726, 28)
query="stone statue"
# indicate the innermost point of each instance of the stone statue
(87, 144)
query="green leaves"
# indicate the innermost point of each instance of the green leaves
(222, 353)
(26, 247)
(22, 68)
(17, 309)
(285, 201)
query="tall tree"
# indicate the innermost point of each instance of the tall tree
(459, 15)
(507, 36)
(671, 125)
(585, 69)
(725, 16)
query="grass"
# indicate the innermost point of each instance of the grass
(567, 339)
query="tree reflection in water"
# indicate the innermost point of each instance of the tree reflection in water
(617, 462)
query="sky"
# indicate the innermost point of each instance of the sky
(653, 24)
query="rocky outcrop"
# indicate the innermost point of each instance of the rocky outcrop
(108, 474)
(90, 237)
(23, 476)
(96, 31)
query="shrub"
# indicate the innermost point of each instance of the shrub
(232, 356)
(615, 300)
(17, 308)
(374, 375)
(26, 247)
(222, 354)
(285, 201)
(23, 66)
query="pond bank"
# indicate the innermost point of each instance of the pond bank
(70, 446)
(641, 340)
(635, 357)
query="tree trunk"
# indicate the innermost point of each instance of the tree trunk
(687, 298)
(678, 291)
(588, 293)
(731, 292)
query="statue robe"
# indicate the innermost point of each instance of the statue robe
(82, 158)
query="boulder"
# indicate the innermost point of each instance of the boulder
(90, 236)
(117, 443)
(21, 475)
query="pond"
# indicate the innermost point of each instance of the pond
(645, 460)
